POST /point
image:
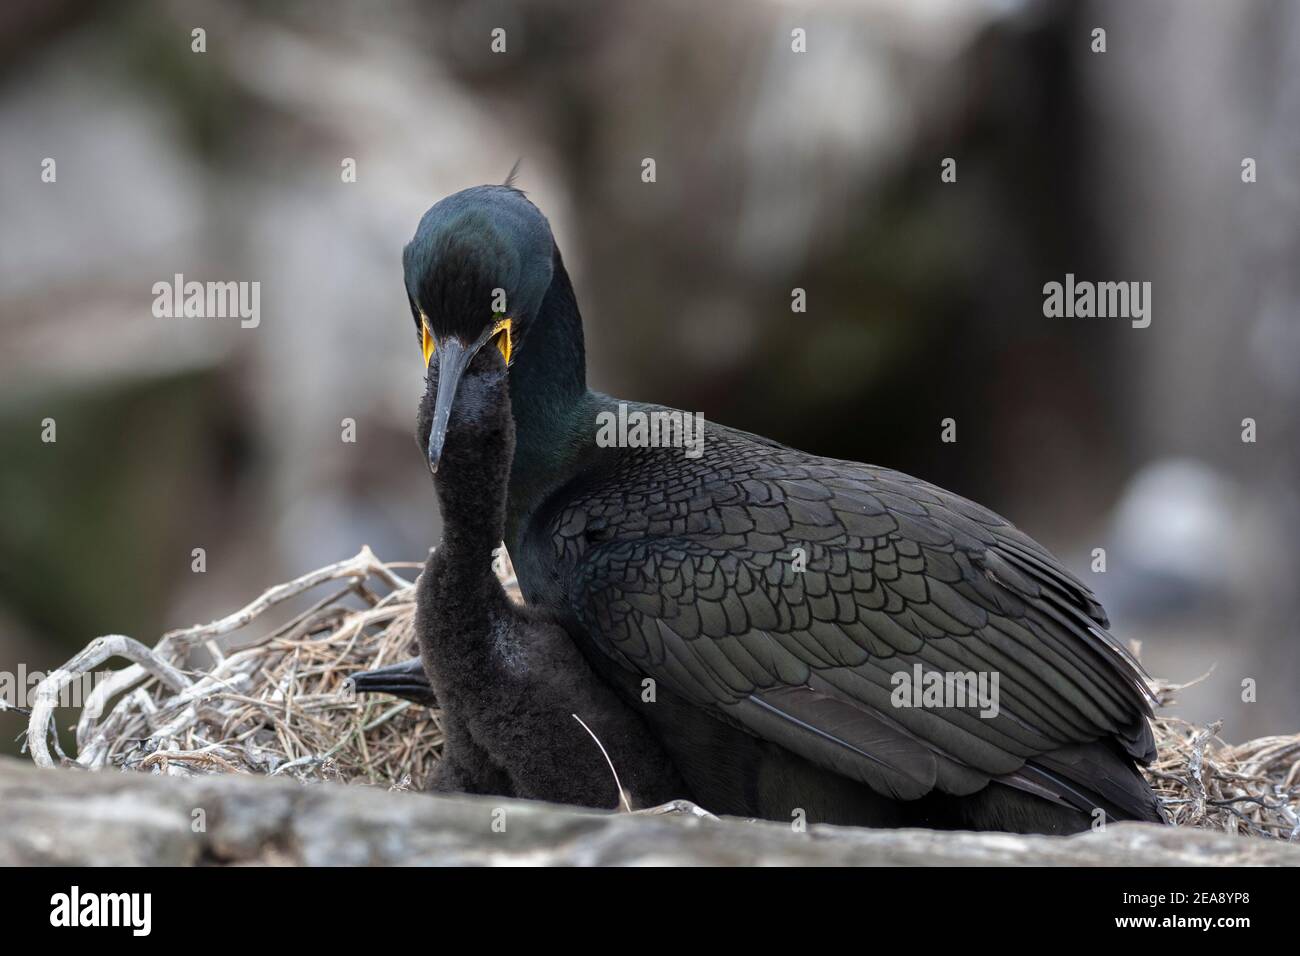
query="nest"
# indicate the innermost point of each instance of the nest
(245, 695)
(1252, 788)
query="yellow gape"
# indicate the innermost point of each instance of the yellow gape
(427, 345)
(501, 335)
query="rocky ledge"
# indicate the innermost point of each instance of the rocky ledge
(82, 818)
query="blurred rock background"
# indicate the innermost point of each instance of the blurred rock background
(775, 170)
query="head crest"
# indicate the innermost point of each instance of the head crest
(514, 172)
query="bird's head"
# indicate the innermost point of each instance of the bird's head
(476, 273)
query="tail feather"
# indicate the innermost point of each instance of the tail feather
(1087, 777)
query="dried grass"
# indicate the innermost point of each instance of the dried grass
(243, 696)
(264, 699)
(1250, 788)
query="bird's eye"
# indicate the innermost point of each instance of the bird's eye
(501, 335)
(427, 345)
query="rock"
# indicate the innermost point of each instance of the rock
(79, 818)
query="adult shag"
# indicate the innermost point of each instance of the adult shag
(511, 684)
(771, 680)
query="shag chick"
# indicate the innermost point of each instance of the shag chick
(761, 606)
(510, 683)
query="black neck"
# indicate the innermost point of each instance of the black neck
(470, 536)
(548, 388)
(459, 584)
(471, 486)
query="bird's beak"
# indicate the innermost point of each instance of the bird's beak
(406, 680)
(453, 358)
